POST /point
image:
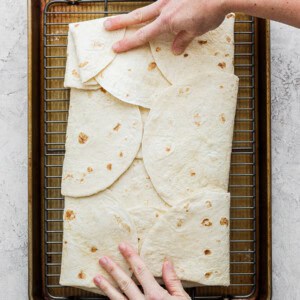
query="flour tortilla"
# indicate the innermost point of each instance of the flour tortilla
(144, 114)
(103, 138)
(144, 218)
(93, 46)
(72, 76)
(93, 227)
(133, 76)
(195, 236)
(203, 54)
(188, 136)
(134, 189)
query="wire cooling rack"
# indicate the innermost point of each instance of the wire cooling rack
(57, 15)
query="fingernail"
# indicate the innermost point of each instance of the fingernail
(97, 279)
(107, 24)
(122, 246)
(103, 261)
(168, 265)
(116, 46)
(177, 51)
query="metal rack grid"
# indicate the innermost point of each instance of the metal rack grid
(57, 15)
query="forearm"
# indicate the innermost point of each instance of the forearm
(285, 11)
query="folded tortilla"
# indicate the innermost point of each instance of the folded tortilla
(93, 227)
(133, 76)
(194, 235)
(103, 138)
(188, 136)
(212, 51)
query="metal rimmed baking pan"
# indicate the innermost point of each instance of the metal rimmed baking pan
(250, 181)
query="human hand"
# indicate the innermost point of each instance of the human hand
(152, 290)
(184, 18)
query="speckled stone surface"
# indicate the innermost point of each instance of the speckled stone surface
(286, 161)
(13, 156)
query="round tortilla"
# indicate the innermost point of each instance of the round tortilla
(188, 136)
(212, 51)
(93, 45)
(200, 225)
(133, 76)
(103, 138)
(134, 189)
(93, 227)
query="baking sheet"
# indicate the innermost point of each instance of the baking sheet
(249, 199)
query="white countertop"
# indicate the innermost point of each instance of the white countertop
(13, 155)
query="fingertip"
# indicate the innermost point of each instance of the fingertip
(107, 24)
(177, 51)
(97, 279)
(123, 247)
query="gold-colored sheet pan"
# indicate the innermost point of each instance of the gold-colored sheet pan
(250, 182)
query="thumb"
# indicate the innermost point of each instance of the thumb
(172, 282)
(181, 41)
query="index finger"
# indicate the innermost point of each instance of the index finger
(141, 272)
(137, 16)
(140, 37)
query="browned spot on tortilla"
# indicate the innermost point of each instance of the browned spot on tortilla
(81, 180)
(207, 252)
(109, 166)
(75, 73)
(206, 222)
(202, 42)
(76, 25)
(222, 65)
(186, 207)
(94, 249)
(157, 49)
(90, 169)
(230, 16)
(185, 55)
(207, 274)
(81, 275)
(226, 55)
(222, 118)
(69, 215)
(208, 204)
(97, 44)
(221, 86)
(117, 127)
(129, 70)
(228, 39)
(122, 223)
(68, 176)
(83, 64)
(216, 53)
(139, 239)
(127, 95)
(152, 66)
(224, 221)
(121, 154)
(218, 241)
(179, 223)
(157, 215)
(65, 242)
(82, 138)
(168, 149)
(197, 119)
(193, 173)
(103, 90)
(90, 94)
